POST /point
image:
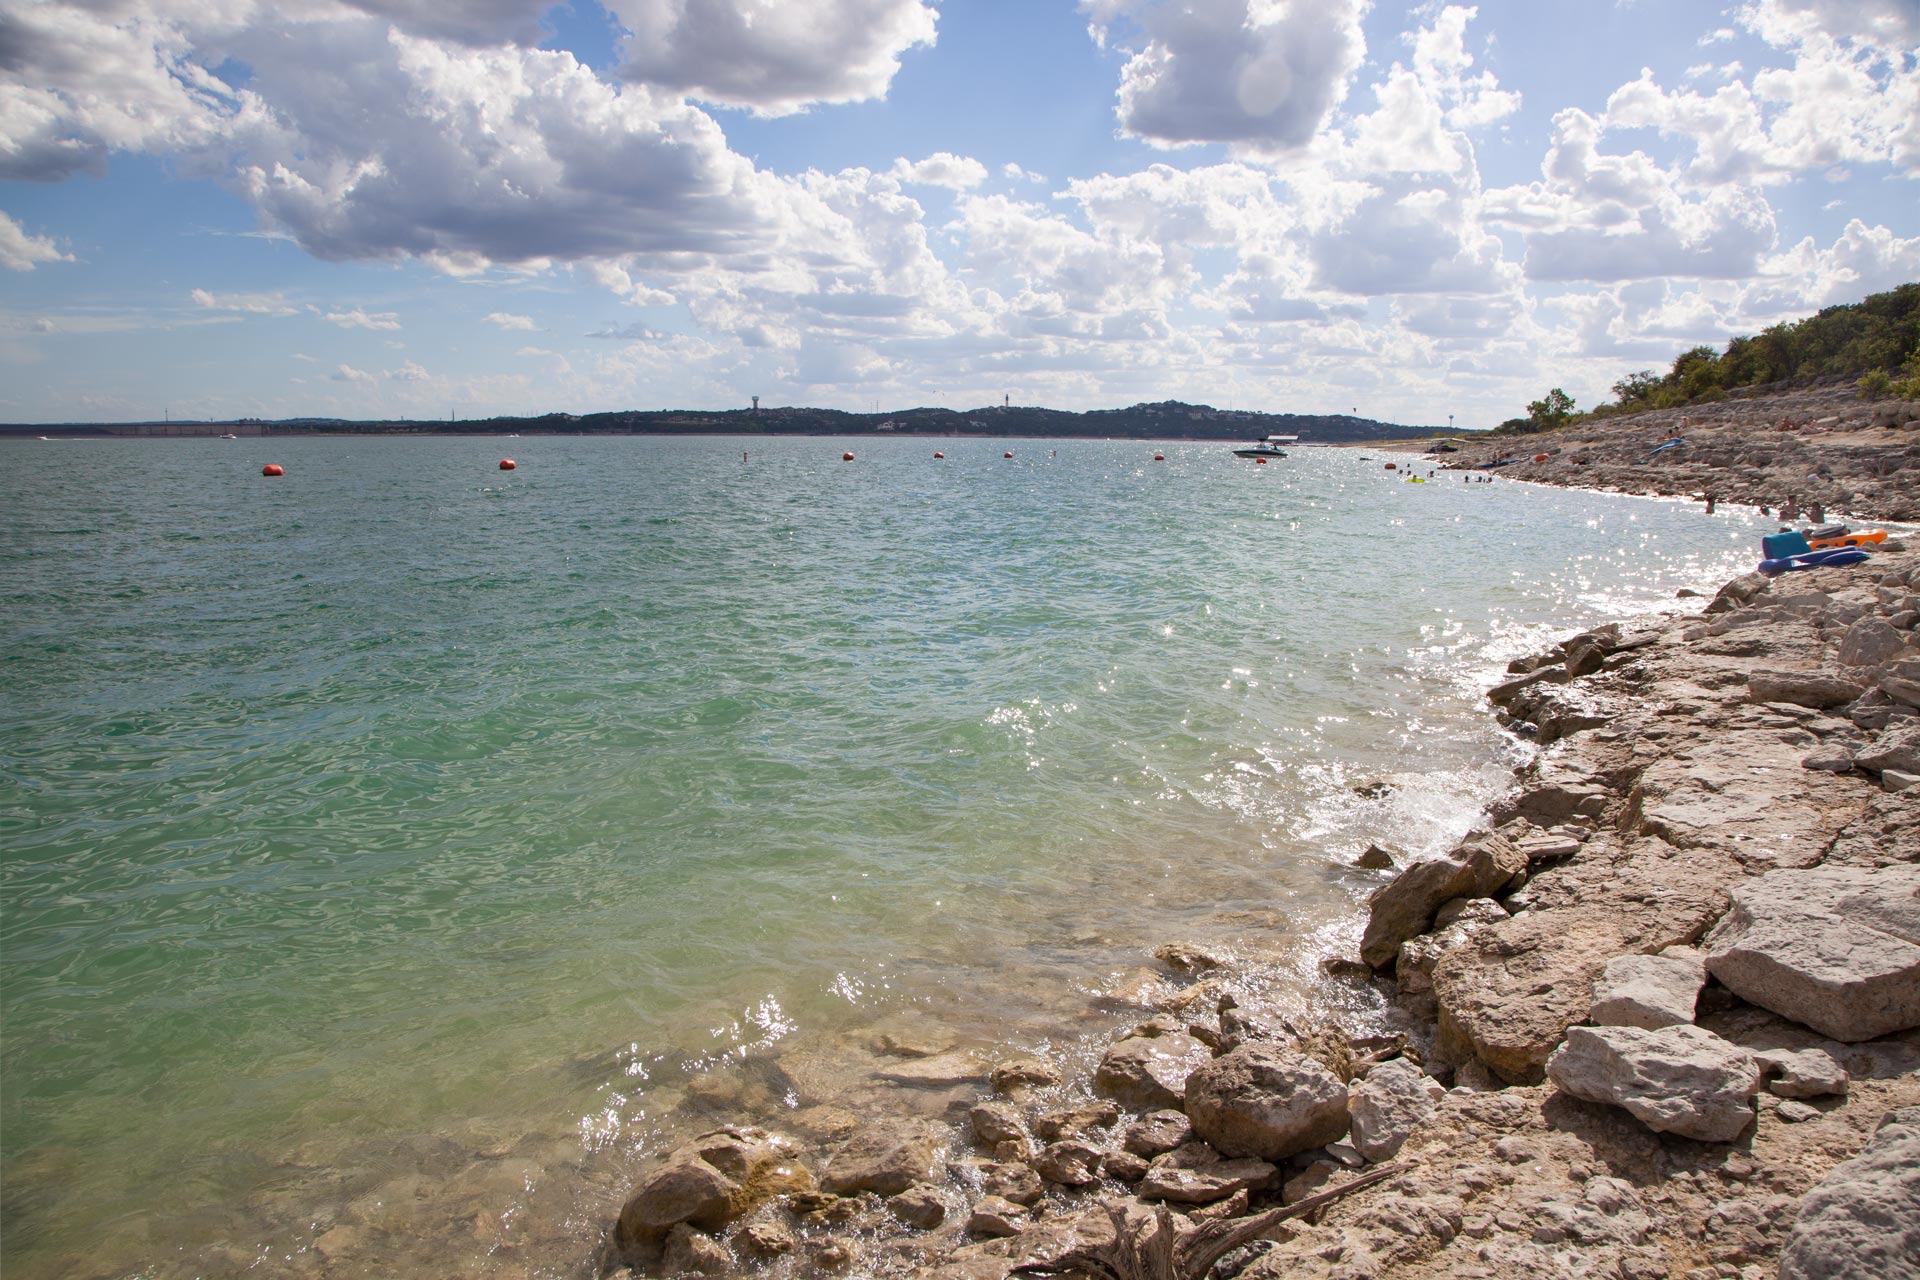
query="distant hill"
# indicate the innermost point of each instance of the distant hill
(1166, 420)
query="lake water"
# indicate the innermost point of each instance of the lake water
(397, 851)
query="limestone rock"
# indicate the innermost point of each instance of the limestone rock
(768, 1240)
(1648, 991)
(1828, 757)
(940, 1071)
(1124, 1166)
(1802, 1073)
(1682, 1079)
(1070, 1163)
(1157, 1133)
(1023, 1073)
(1863, 1221)
(1469, 911)
(1896, 747)
(1150, 1072)
(1404, 907)
(883, 1159)
(1195, 1174)
(1264, 1102)
(714, 1179)
(1374, 859)
(1802, 688)
(994, 1217)
(1386, 1107)
(1075, 1120)
(1834, 948)
(922, 1207)
(690, 1253)
(1869, 642)
(1015, 1182)
(995, 1123)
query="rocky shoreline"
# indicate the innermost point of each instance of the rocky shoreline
(1822, 448)
(1658, 1017)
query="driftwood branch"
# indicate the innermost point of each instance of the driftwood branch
(1157, 1249)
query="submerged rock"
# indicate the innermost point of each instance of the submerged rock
(709, 1182)
(1150, 1072)
(884, 1159)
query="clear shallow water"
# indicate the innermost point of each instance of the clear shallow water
(380, 805)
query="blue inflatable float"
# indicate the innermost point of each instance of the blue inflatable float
(1829, 559)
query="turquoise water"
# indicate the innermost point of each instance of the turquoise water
(379, 806)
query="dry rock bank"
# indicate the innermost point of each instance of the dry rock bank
(1823, 448)
(1659, 1017)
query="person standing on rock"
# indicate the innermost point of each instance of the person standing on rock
(1711, 502)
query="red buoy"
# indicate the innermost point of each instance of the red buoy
(846, 457)
(273, 469)
(1159, 457)
(1007, 454)
(1259, 462)
(1390, 466)
(1539, 457)
(938, 454)
(508, 464)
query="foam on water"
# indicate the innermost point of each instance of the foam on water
(400, 815)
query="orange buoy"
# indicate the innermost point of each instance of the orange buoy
(846, 457)
(1007, 454)
(508, 464)
(1159, 457)
(273, 469)
(1259, 462)
(938, 454)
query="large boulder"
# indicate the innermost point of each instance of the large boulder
(1648, 991)
(1863, 1221)
(1386, 1107)
(1834, 948)
(883, 1159)
(1683, 1080)
(1404, 907)
(709, 1182)
(1149, 1073)
(1265, 1102)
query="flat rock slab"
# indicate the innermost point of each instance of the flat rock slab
(1684, 1080)
(1195, 1174)
(1836, 949)
(1863, 1221)
(939, 1071)
(1802, 1073)
(1648, 991)
(1743, 792)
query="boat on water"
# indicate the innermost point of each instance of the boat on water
(1266, 447)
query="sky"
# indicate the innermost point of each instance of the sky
(461, 208)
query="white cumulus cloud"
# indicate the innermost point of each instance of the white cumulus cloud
(771, 56)
(507, 320)
(941, 169)
(22, 252)
(256, 304)
(358, 319)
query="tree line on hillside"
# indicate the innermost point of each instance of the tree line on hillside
(1876, 341)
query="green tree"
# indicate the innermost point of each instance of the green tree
(1636, 388)
(1550, 412)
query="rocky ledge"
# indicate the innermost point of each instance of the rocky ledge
(1659, 1017)
(1822, 448)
